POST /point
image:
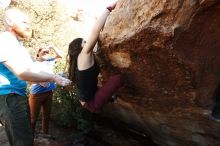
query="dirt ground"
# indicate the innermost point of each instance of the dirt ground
(103, 135)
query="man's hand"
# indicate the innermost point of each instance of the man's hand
(113, 5)
(61, 80)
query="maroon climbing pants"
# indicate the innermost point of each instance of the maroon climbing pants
(104, 94)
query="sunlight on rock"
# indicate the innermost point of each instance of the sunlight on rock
(119, 59)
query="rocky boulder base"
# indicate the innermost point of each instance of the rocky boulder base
(169, 52)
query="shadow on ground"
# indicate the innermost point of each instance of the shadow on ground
(104, 134)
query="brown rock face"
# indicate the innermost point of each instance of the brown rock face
(169, 52)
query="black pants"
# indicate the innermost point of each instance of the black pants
(14, 114)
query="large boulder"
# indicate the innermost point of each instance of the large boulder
(169, 52)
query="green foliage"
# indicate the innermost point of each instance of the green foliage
(60, 67)
(67, 111)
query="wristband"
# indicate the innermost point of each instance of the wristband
(109, 8)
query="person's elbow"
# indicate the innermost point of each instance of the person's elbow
(22, 75)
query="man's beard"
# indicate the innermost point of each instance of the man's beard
(23, 34)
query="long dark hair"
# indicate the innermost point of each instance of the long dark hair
(75, 48)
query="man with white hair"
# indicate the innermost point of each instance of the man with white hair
(16, 67)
